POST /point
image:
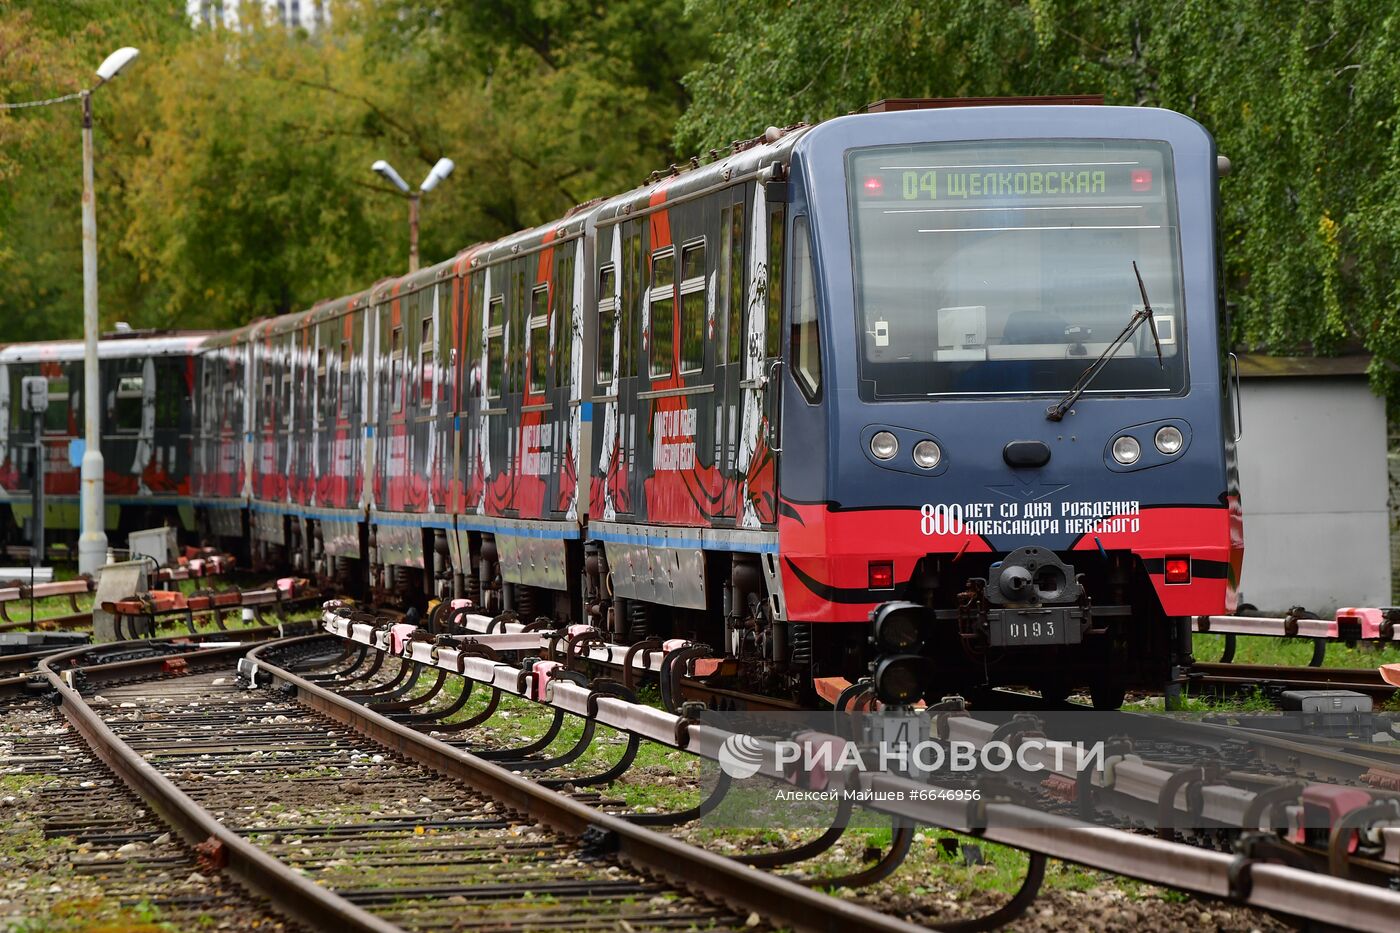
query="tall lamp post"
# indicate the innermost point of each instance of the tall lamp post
(440, 170)
(92, 543)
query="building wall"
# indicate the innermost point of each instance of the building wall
(1315, 488)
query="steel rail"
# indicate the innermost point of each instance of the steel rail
(1145, 858)
(777, 899)
(1361, 679)
(12, 664)
(289, 892)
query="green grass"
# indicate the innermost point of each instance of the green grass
(1293, 652)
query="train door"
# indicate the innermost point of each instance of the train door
(383, 397)
(438, 378)
(472, 392)
(62, 422)
(676, 407)
(168, 471)
(521, 301)
(536, 439)
(420, 331)
(756, 464)
(393, 449)
(294, 429)
(265, 486)
(763, 483)
(631, 378)
(338, 448)
(498, 355)
(729, 298)
(315, 421)
(565, 327)
(127, 427)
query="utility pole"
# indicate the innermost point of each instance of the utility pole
(92, 543)
(441, 169)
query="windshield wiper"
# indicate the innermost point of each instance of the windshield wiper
(1057, 411)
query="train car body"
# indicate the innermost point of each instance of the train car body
(808, 404)
(146, 426)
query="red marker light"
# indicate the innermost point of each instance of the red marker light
(1142, 179)
(874, 186)
(1178, 570)
(881, 575)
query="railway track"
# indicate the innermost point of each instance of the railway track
(1233, 678)
(331, 808)
(80, 844)
(348, 821)
(396, 668)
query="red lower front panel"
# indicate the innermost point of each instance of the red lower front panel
(826, 555)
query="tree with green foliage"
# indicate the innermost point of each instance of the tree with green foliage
(49, 49)
(233, 164)
(1302, 96)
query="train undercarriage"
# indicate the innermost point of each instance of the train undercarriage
(1028, 619)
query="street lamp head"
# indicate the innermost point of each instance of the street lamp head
(114, 63)
(441, 170)
(387, 171)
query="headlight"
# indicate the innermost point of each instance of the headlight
(927, 454)
(1168, 440)
(884, 445)
(1126, 450)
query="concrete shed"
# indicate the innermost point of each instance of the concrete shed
(1314, 483)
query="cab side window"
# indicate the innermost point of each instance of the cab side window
(805, 339)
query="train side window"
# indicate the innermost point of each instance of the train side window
(662, 300)
(564, 316)
(446, 374)
(329, 404)
(266, 398)
(396, 369)
(207, 410)
(805, 341)
(632, 295)
(775, 281)
(56, 415)
(426, 372)
(495, 347)
(539, 338)
(518, 319)
(731, 277)
(126, 403)
(607, 321)
(693, 294)
(323, 385)
(286, 408)
(347, 385)
(473, 320)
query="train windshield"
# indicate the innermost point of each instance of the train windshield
(1006, 267)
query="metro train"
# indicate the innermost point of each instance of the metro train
(146, 429)
(933, 395)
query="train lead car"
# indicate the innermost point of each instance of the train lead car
(147, 382)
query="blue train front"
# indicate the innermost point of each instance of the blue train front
(954, 274)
